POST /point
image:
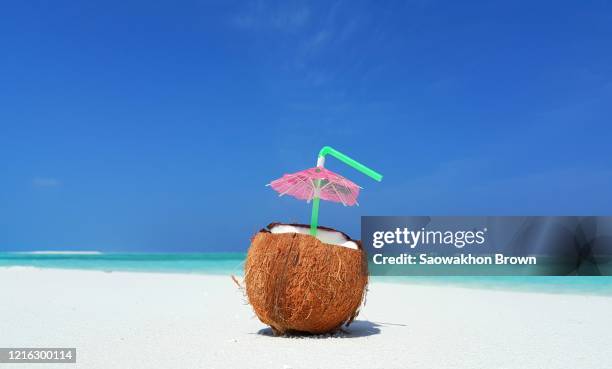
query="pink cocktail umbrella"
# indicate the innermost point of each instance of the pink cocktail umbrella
(319, 183)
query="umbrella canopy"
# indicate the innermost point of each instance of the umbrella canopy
(317, 182)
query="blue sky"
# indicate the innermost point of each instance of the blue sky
(154, 126)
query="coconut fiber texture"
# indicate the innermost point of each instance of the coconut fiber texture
(297, 283)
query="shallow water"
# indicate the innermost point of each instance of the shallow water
(232, 263)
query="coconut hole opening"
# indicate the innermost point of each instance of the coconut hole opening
(324, 235)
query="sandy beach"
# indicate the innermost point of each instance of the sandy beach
(150, 320)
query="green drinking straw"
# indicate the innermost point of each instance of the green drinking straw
(327, 150)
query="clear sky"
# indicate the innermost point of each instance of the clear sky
(154, 125)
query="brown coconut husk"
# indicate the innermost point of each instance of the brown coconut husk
(296, 283)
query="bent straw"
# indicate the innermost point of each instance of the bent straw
(327, 150)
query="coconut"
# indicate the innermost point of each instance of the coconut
(300, 283)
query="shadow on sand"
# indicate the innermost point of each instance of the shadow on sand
(358, 328)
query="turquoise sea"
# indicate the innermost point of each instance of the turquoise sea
(232, 263)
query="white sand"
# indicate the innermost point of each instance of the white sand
(146, 320)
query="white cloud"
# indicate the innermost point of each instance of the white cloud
(282, 16)
(46, 182)
(308, 36)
